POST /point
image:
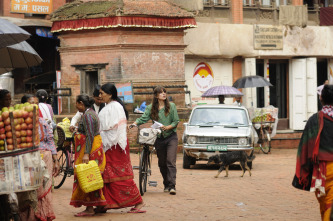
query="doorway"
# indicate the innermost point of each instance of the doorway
(90, 81)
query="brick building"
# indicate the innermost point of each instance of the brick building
(141, 42)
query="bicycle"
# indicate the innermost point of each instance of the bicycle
(146, 137)
(65, 157)
(264, 137)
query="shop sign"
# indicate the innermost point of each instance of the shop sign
(268, 37)
(31, 6)
(203, 77)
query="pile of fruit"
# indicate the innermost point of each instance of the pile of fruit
(263, 118)
(21, 125)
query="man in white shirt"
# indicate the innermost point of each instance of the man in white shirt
(97, 107)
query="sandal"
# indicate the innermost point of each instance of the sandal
(81, 214)
(134, 210)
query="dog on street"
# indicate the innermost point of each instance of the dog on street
(228, 158)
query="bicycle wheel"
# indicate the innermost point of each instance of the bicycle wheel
(143, 171)
(265, 144)
(63, 167)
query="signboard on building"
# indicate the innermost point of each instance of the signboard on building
(268, 37)
(203, 76)
(31, 6)
(125, 92)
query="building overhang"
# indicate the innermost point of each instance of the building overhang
(29, 22)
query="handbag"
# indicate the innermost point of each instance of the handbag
(148, 135)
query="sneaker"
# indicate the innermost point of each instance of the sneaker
(172, 191)
(166, 189)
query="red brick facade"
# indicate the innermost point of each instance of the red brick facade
(143, 57)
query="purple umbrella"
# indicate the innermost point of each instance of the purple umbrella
(227, 91)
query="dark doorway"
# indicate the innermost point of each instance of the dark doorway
(260, 90)
(91, 79)
(322, 73)
(278, 92)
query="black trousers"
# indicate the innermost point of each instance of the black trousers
(166, 149)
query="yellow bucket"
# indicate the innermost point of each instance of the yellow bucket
(89, 176)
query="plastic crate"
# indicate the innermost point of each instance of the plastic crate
(89, 176)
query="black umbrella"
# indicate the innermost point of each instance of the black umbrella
(251, 81)
(20, 55)
(11, 34)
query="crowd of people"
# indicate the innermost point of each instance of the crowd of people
(100, 127)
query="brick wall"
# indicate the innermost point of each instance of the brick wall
(297, 2)
(143, 57)
(237, 11)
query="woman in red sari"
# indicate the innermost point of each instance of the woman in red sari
(88, 146)
(119, 189)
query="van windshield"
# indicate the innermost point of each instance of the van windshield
(219, 116)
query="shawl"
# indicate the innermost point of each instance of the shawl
(309, 155)
(113, 124)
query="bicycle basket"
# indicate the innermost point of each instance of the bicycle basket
(61, 136)
(148, 135)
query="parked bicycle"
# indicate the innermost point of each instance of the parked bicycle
(65, 151)
(264, 140)
(146, 138)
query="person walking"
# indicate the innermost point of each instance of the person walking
(166, 144)
(88, 146)
(39, 206)
(97, 107)
(119, 188)
(314, 165)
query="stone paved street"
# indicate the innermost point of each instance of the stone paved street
(267, 195)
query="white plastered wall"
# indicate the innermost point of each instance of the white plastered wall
(222, 70)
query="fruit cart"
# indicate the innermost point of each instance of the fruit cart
(264, 121)
(21, 167)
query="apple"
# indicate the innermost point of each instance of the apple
(7, 121)
(2, 148)
(21, 120)
(9, 141)
(23, 133)
(2, 136)
(31, 114)
(2, 142)
(24, 114)
(29, 145)
(24, 126)
(16, 113)
(4, 109)
(2, 130)
(18, 140)
(0, 117)
(23, 145)
(18, 146)
(29, 108)
(28, 120)
(18, 127)
(8, 128)
(5, 115)
(19, 113)
(2, 124)
(9, 135)
(10, 147)
(18, 134)
(11, 109)
(29, 139)
(29, 132)
(23, 139)
(30, 126)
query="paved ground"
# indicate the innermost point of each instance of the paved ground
(267, 195)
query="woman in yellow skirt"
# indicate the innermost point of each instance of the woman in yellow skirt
(88, 146)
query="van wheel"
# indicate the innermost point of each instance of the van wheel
(186, 161)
